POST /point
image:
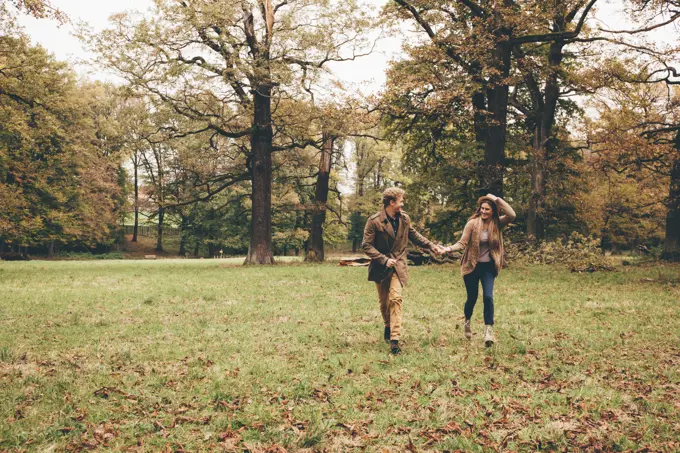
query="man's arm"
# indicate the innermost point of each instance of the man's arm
(421, 241)
(418, 239)
(368, 247)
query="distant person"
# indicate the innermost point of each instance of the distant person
(385, 239)
(483, 258)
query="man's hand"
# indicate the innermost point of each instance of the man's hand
(391, 263)
(438, 249)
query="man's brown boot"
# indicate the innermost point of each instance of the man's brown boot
(394, 347)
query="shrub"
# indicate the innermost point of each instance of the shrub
(90, 256)
(579, 253)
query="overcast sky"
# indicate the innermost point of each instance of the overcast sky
(366, 73)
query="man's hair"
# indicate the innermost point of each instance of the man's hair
(392, 194)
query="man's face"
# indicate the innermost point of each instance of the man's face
(397, 205)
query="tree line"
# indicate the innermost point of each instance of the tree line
(231, 127)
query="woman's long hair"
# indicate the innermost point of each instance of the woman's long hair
(494, 224)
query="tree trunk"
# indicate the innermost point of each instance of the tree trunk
(536, 207)
(494, 151)
(480, 122)
(378, 174)
(135, 164)
(671, 246)
(196, 251)
(183, 234)
(545, 107)
(316, 249)
(360, 193)
(260, 250)
(50, 250)
(159, 232)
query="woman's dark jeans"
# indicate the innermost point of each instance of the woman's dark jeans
(486, 272)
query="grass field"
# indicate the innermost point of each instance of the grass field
(205, 355)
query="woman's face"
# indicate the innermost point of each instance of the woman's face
(485, 211)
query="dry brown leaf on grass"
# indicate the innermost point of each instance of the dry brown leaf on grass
(451, 428)
(80, 415)
(106, 392)
(230, 439)
(256, 448)
(196, 421)
(104, 433)
(410, 447)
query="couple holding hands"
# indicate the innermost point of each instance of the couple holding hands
(385, 239)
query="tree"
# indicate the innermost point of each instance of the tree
(641, 107)
(375, 165)
(473, 42)
(40, 9)
(545, 78)
(316, 248)
(337, 123)
(228, 63)
(637, 137)
(59, 168)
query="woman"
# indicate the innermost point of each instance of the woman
(482, 245)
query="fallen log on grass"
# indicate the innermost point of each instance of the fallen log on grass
(414, 257)
(14, 257)
(355, 262)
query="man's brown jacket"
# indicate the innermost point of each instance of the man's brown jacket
(380, 244)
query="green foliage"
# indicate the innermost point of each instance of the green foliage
(357, 223)
(59, 171)
(334, 232)
(289, 240)
(219, 223)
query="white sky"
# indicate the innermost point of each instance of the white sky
(366, 73)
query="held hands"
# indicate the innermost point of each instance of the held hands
(450, 249)
(438, 249)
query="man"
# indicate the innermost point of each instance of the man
(385, 239)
